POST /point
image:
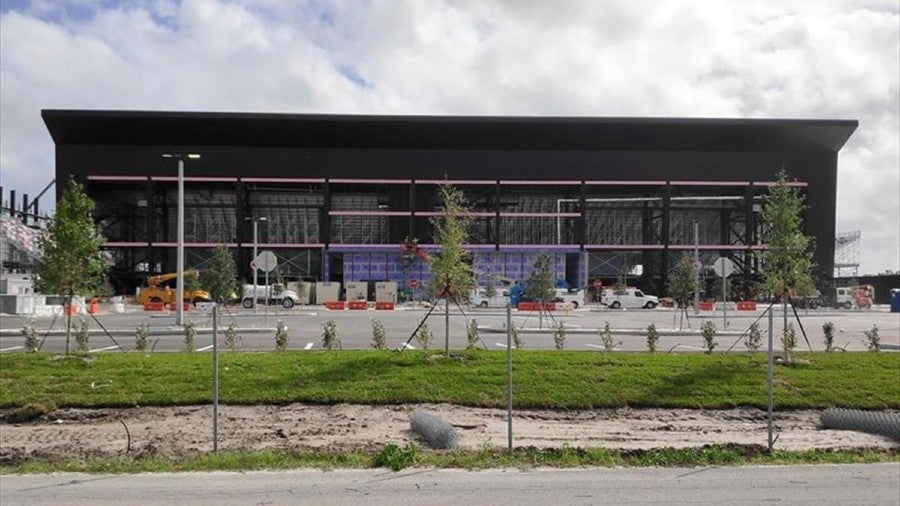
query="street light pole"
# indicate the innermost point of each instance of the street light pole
(179, 253)
(255, 247)
(179, 289)
(254, 271)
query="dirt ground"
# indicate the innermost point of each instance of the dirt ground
(187, 429)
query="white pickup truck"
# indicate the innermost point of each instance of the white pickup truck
(479, 298)
(632, 299)
(573, 297)
(277, 295)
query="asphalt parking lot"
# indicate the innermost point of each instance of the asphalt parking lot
(355, 328)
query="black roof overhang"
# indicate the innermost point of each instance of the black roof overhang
(444, 132)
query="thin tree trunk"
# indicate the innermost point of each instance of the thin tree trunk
(787, 351)
(541, 315)
(68, 323)
(447, 324)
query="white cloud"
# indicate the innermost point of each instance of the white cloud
(708, 58)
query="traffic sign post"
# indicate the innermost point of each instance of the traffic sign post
(266, 262)
(724, 267)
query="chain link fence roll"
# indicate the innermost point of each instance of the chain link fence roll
(870, 422)
(435, 432)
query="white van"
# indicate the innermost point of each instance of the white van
(479, 298)
(573, 296)
(632, 299)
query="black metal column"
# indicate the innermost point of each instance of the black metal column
(666, 237)
(497, 216)
(582, 220)
(411, 231)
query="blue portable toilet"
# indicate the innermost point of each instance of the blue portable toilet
(895, 300)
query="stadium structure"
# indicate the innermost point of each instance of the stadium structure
(348, 197)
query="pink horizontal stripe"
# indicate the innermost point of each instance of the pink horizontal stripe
(773, 183)
(540, 215)
(470, 214)
(338, 245)
(733, 247)
(118, 178)
(196, 179)
(623, 246)
(284, 245)
(206, 179)
(625, 183)
(194, 244)
(370, 181)
(538, 246)
(282, 180)
(524, 182)
(710, 183)
(369, 213)
(124, 244)
(455, 181)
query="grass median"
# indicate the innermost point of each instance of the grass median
(542, 379)
(723, 455)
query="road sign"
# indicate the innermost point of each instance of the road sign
(598, 284)
(724, 267)
(265, 261)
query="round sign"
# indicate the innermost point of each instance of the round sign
(413, 283)
(724, 267)
(598, 283)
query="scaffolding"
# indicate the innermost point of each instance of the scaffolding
(846, 254)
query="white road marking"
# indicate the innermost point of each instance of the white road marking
(308, 346)
(593, 345)
(688, 347)
(205, 348)
(103, 349)
(407, 345)
(500, 345)
(11, 348)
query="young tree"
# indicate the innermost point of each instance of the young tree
(787, 262)
(541, 282)
(220, 278)
(683, 284)
(71, 262)
(452, 267)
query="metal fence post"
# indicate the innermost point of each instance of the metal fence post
(769, 393)
(509, 387)
(215, 381)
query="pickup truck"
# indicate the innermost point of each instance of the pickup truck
(277, 295)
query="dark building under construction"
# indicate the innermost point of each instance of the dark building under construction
(337, 196)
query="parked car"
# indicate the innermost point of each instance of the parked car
(277, 295)
(632, 298)
(572, 296)
(479, 297)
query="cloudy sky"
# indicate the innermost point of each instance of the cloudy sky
(744, 59)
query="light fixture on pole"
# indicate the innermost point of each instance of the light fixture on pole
(255, 247)
(179, 287)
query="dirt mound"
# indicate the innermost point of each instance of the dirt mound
(187, 430)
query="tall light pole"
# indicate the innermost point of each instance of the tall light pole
(179, 286)
(255, 253)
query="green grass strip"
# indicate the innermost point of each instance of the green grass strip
(729, 455)
(543, 379)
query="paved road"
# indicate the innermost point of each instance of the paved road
(820, 485)
(354, 327)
